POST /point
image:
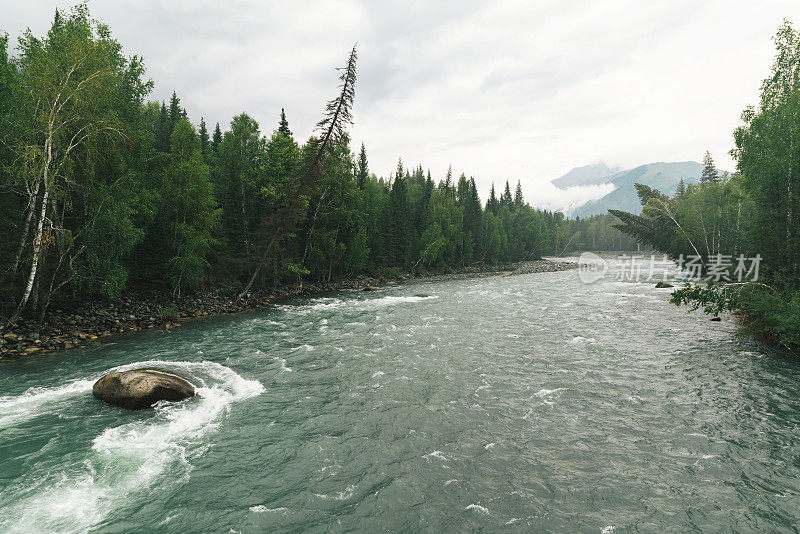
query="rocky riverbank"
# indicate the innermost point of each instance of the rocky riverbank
(70, 325)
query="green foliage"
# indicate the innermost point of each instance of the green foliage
(204, 139)
(755, 211)
(239, 182)
(144, 200)
(190, 207)
(363, 168)
(710, 174)
(7, 78)
(767, 313)
(168, 313)
(283, 127)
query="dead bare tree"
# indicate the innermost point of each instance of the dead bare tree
(332, 128)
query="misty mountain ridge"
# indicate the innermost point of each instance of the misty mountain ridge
(663, 176)
(594, 174)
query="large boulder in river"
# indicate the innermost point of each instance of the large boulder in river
(663, 285)
(141, 388)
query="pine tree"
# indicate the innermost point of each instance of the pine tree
(362, 168)
(506, 199)
(399, 231)
(428, 191)
(216, 139)
(448, 181)
(204, 140)
(429, 186)
(518, 199)
(473, 211)
(283, 126)
(710, 174)
(175, 111)
(162, 130)
(681, 191)
(399, 173)
(492, 204)
(462, 190)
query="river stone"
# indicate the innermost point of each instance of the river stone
(662, 285)
(141, 388)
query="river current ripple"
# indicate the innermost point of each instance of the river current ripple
(502, 404)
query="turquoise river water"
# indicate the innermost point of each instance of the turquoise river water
(531, 403)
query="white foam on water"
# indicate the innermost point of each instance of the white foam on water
(361, 304)
(347, 493)
(284, 368)
(377, 374)
(580, 340)
(307, 348)
(448, 482)
(477, 508)
(608, 530)
(435, 454)
(391, 300)
(14, 408)
(318, 304)
(489, 446)
(260, 509)
(545, 392)
(130, 457)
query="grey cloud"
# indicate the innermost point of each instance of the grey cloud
(509, 89)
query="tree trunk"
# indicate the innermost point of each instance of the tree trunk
(244, 220)
(247, 287)
(26, 231)
(23, 241)
(37, 250)
(313, 224)
(37, 241)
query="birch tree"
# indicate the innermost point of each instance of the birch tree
(67, 83)
(768, 156)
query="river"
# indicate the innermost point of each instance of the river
(502, 404)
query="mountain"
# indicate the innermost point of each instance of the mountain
(587, 175)
(662, 176)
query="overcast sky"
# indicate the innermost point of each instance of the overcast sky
(502, 90)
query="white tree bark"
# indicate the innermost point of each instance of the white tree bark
(28, 218)
(37, 241)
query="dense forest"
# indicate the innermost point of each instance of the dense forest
(102, 190)
(754, 212)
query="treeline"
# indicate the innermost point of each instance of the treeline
(754, 213)
(101, 189)
(598, 233)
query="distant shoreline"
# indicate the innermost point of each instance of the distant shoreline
(70, 326)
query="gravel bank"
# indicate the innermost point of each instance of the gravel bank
(72, 325)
